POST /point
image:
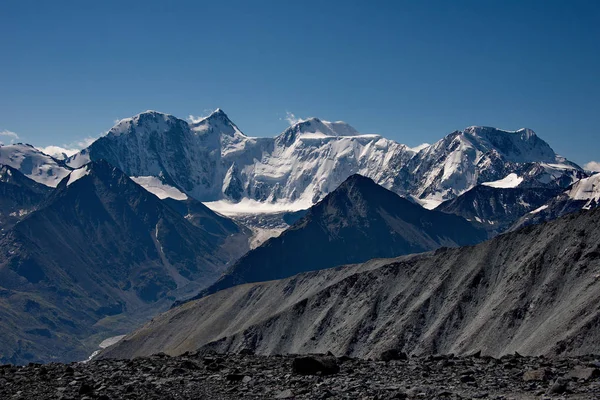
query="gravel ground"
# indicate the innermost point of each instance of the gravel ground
(212, 376)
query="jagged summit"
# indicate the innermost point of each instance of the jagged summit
(217, 122)
(311, 158)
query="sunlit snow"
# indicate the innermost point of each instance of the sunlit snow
(161, 190)
(537, 210)
(78, 174)
(586, 189)
(33, 163)
(247, 206)
(510, 181)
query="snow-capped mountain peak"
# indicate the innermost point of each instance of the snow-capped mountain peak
(216, 123)
(33, 163)
(522, 145)
(314, 128)
(210, 159)
(481, 154)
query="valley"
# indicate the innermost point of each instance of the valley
(162, 213)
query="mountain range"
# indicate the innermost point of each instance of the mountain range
(211, 160)
(534, 291)
(160, 210)
(358, 221)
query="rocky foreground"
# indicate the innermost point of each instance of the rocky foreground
(212, 376)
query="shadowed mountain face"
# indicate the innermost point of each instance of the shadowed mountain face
(358, 221)
(19, 196)
(535, 291)
(98, 257)
(496, 209)
(582, 195)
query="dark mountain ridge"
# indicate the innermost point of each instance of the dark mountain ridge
(535, 291)
(98, 257)
(19, 196)
(358, 221)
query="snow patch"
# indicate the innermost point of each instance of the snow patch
(430, 202)
(103, 345)
(261, 235)
(510, 181)
(537, 210)
(158, 188)
(419, 147)
(78, 174)
(587, 189)
(247, 206)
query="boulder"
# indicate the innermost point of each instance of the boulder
(583, 373)
(393, 354)
(315, 364)
(537, 375)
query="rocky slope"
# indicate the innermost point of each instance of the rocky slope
(98, 257)
(19, 196)
(212, 159)
(216, 377)
(358, 221)
(535, 291)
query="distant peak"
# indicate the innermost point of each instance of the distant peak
(477, 129)
(218, 113)
(154, 113)
(315, 125)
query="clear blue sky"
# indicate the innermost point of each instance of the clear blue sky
(410, 70)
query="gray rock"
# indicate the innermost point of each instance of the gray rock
(583, 373)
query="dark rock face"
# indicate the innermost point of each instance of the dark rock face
(191, 376)
(99, 256)
(583, 194)
(315, 364)
(497, 209)
(358, 221)
(393, 354)
(19, 196)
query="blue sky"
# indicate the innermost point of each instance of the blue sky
(410, 70)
